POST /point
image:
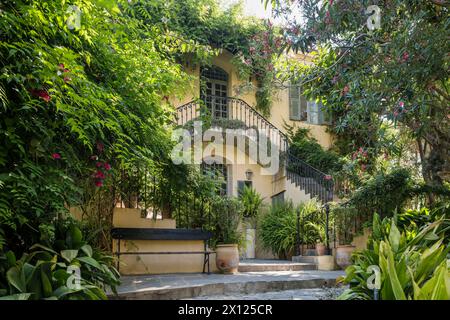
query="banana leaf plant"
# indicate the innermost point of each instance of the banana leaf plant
(412, 262)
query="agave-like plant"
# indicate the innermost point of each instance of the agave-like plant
(412, 262)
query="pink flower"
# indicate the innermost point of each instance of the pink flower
(363, 167)
(252, 50)
(328, 177)
(67, 79)
(56, 156)
(395, 113)
(331, 2)
(405, 56)
(107, 166)
(99, 164)
(99, 175)
(401, 104)
(99, 183)
(61, 66)
(41, 94)
(66, 70)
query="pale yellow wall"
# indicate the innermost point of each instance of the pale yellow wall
(162, 263)
(131, 218)
(280, 105)
(280, 115)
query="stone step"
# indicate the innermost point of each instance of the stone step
(253, 265)
(305, 259)
(186, 286)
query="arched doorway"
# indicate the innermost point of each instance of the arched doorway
(214, 90)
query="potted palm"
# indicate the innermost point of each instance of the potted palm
(344, 218)
(229, 215)
(318, 229)
(251, 202)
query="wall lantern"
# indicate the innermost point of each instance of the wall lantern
(249, 174)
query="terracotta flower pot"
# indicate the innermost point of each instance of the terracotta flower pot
(227, 258)
(320, 249)
(343, 256)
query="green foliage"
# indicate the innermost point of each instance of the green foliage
(383, 193)
(48, 273)
(253, 43)
(372, 81)
(251, 201)
(309, 150)
(229, 215)
(412, 261)
(278, 227)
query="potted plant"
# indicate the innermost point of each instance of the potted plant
(229, 215)
(344, 218)
(318, 229)
(251, 202)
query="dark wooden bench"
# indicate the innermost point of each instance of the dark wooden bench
(163, 234)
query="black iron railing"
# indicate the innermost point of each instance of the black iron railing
(313, 181)
(310, 179)
(231, 109)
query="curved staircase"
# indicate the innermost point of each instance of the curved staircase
(309, 179)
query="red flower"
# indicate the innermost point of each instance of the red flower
(66, 70)
(405, 56)
(331, 2)
(56, 156)
(99, 175)
(99, 183)
(363, 167)
(67, 79)
(107, 166)
(61, 66)
(41, 94)
(99, 164)
(401, 104)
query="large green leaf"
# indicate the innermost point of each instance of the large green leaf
(90, 261)
(17, 296)
(87, 249)
(393, 277)
(16, 278)
(394, 237)
(69, 255)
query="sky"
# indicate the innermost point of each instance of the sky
(251, 7)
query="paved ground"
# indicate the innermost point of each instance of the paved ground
(265, 262)
(257, 265)
(300, 294)
(152, 282)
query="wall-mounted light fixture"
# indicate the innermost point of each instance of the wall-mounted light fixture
(249, 174)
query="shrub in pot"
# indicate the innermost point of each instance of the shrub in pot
(251, 202)
(229, 216)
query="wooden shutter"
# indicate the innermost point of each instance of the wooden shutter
(294, 102)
